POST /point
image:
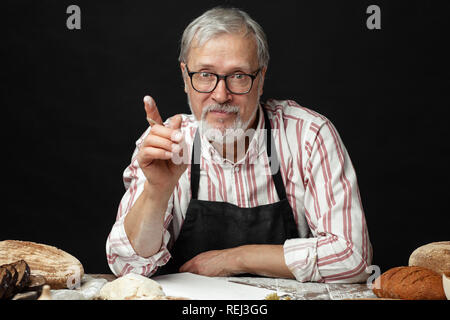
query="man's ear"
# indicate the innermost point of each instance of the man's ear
(184, 75)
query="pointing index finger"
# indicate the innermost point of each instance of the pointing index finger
(152, 111)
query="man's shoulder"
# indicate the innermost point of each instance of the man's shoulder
(289, 110)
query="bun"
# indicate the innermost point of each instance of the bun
(434, 256)
(410, 283)
(55, 265)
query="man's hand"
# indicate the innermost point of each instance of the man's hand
(262, 259)
(214, 263)
(144, 223)
(158, 149)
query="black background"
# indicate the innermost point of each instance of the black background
(72, 108)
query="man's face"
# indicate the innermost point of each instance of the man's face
(225, 54)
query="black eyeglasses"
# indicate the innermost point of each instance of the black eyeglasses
(237, 83)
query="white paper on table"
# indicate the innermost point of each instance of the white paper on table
(196, 287)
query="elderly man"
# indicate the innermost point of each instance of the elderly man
(239, 186)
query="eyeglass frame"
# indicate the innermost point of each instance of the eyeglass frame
(224, 77)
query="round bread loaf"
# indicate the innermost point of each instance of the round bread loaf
(410, 283)
(434, 256)
(59, 268)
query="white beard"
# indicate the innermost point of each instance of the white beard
(223, 135)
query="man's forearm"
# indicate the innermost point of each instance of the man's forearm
(144, 222)
(264, 260)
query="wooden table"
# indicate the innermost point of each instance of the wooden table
(296, 290)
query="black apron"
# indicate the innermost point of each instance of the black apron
(212, 225)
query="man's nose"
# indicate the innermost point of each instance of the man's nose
(221, 93)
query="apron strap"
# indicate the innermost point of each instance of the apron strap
(195, 165)
(273, 162)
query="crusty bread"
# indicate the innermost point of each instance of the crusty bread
(410, 283)
(5, 281)
(10, 290)
(57, 266)
(21, 275)
(434, 256)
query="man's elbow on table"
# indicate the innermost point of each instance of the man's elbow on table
(337, 262)
(354, 268)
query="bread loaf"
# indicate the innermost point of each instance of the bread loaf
(14, 278)
(11, 287)
(36, 284)
(5, 282)
(410, 283)
(434, 256)
(57, 266)
(22, 271)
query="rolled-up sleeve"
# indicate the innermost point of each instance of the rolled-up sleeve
(339, 249)
(121, 257)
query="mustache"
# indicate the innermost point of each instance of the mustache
(220, 107)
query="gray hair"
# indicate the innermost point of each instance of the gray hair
(224, 20)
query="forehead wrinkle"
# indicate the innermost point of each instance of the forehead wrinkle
(234, 49)
(227, 55)
(229, 67)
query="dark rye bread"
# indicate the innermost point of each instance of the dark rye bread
(11, 288)
(410, 283)
(23, 274)
(15, 277)
(5, 282)
(36, 284)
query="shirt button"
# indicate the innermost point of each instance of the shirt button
(236, 169)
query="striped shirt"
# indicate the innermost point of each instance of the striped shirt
(320, 183)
